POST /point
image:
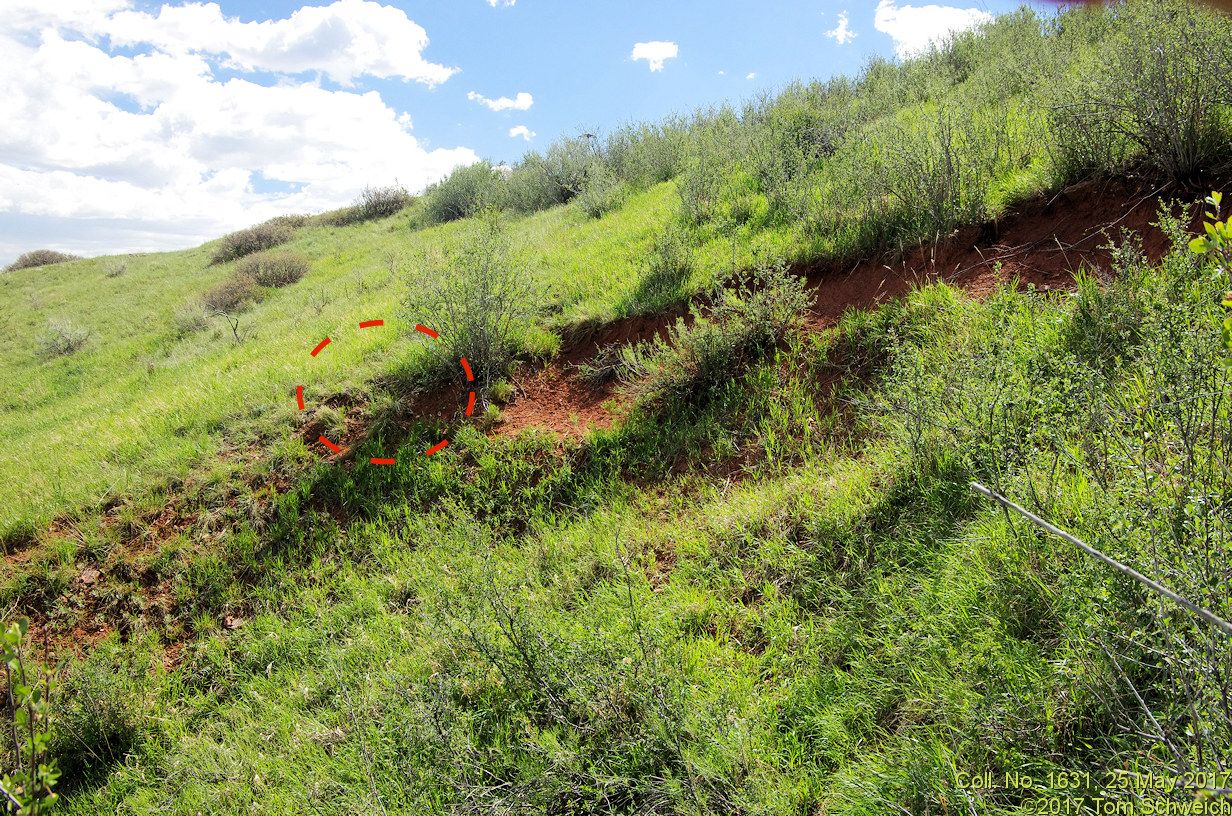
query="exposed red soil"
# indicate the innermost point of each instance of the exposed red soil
(555, 399)
(1044, 243)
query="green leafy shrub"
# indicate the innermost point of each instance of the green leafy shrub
(1217, 245)
(647, 154)
(39, 257)
(255, 239)
(601, 192)
(473, 291)
(557, 177)
(531, 187)
(103, 713)
(466, 192)
(62, 337)
(747, 318)
(1158, 93)
(938, 173)
(27, 785)
(273, 268)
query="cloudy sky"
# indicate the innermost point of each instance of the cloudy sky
(131, 125)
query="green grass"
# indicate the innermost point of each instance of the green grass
(138, 404)
(842, 628)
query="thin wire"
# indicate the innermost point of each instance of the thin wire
(1205, 614)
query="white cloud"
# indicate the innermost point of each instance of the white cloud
(751, 75)
(343, 40)
(721, 73)
(155, 151)
(522, 102)
(655, 53)
(915, 28)
(495, 3)
(523, 131)
(841, 33)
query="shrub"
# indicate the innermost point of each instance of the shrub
(382, 202)
(939, 173)
(236, 291)
(466, 192)
(245, 242)
(292, 220)
(568, 163)
(30, 690)
(474, 293)
(530, 187)
(39, 257)
(542, 181)
(62, 337)
(1158, 94)
(115, 269)
(101, 715)
(648, 154)
(273, 269)
(601, 192)
(748, 318)
(339, 218)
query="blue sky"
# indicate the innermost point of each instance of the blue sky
(139, 126)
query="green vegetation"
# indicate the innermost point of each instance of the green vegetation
(767, 588)
(472, 290)
(29, 690)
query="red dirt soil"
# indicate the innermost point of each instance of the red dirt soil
(1043, 243)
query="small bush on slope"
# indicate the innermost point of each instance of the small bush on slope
(62, 337)
(382, 202)
(748, 318)
(466, 192)
(245, 242)
(39, 257)
(1157, 93)
(473, 291)
(273, 269)
(233, 293)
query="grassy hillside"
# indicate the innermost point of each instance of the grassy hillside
(767, 588)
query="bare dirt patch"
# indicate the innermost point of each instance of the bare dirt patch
(1043, 242)
(556, 399)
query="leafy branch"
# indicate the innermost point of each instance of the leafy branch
(28, 699)
(1218, 243)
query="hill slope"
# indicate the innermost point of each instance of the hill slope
(713, 560)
